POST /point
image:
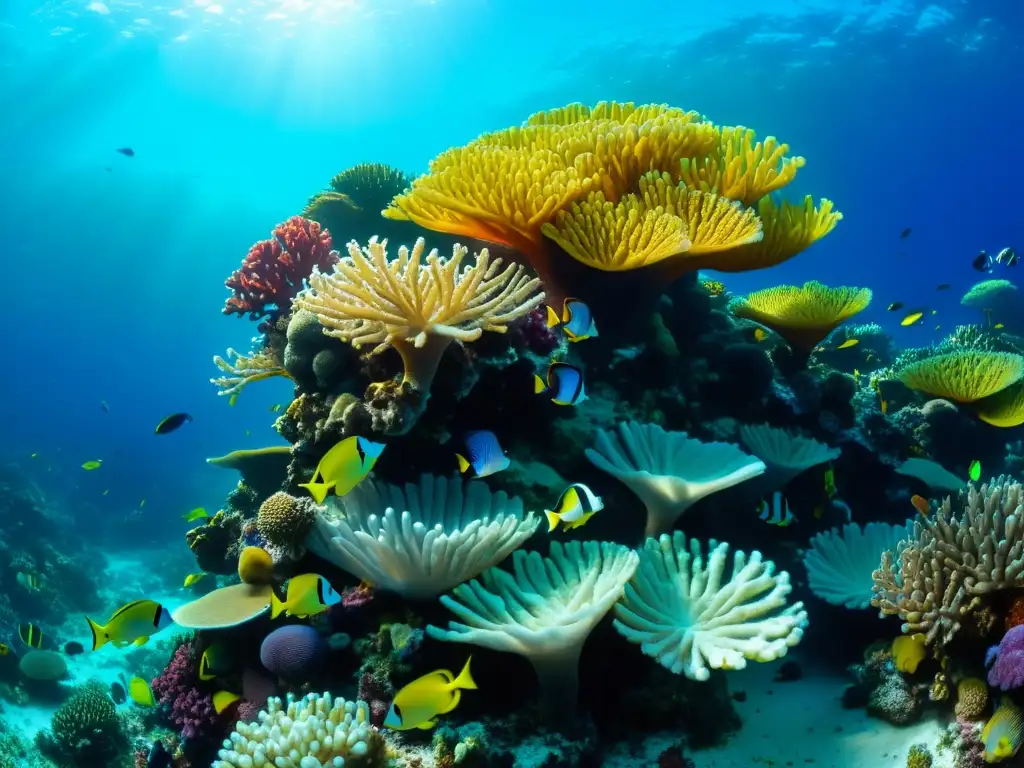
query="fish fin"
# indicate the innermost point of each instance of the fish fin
(276, 606)
(141, 640)
(427, 725)
(317, 490)
(593, 330)
(552, 320)
(463, 464)
(570, 336)
(224, 699)
(465, 680)
(582, 519)
(539, 385)
(456, 698)
(552, 519)
(99, 635)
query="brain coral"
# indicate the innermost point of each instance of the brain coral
(293, 652)
(285, 520)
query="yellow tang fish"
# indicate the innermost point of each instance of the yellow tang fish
(308, 595)
(912, 318)
(193, 578)
(131, 623)
(849, 343)
(224, 699)
(91, 465)
(196, 514)
(343, 467)
(419, 703)
(1003, 733)
(140, 692)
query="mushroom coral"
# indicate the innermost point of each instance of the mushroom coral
(619, 187)
(417, 306)
(964, 376)
(669, 471)
(544, 610)
(802, 315)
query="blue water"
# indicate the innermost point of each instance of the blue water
(238, 111)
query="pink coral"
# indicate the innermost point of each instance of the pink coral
(1007, 660)
(178, 695)
(356, 597)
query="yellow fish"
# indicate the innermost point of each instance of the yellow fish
(131, 623)
(140, 692)
(4, 649)
(91, 465)
(849, 343)
(308, 595)
(912, 318)
(233, 399)
(908, 651)
(275, 408)
(192, 578)
(35, 456)
(196, 514)
(760, 334)
(574, 507)
(998, 326)
(224, 699)
(419, 703)
(343, 467)
(1003, 733)
(30, 635)
(215, 661)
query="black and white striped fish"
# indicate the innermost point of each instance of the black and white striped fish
(776, 513)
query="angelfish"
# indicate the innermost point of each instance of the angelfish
(483, 454)
(577, 321)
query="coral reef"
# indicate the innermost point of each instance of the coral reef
(182, 702)
(86, 730)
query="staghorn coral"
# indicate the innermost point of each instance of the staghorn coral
(240, 371)
(952, 560)
(691, 619)
(418, 307)
(802, 315)
(963, 376)
(284, 521)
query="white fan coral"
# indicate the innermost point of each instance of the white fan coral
(840, 562)
(423, 540)
(784, 453)
(692, 621)
(669, 471)
(313, 731)
(544, 610)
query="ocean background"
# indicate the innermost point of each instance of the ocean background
(113, 267)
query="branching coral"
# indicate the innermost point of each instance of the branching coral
(418, 307)
(802, 315)
(241, 370)
(692, 620)
(422, 540)
(618, 187)
(669, 471)
(544, 610)
(840, 562)
(954, 559)
(963, 376)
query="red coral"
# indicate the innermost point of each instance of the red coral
(181, 700)
(356, 597)
(274, 270)
(1015, 616)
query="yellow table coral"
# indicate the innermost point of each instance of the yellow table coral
(964, 376)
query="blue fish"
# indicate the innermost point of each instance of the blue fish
(776, 513)
(577, 320)
(485, 456)
(564, 384)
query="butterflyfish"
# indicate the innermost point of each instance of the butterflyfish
(343, 467)
(564, 384)
(224, 699)
(1003, 733)
(849, 343)
(920, 504)
(483, 454)
(215, 661)
(91, 465)
(777, 512)
(308, 594)
(28, 580)
(420, 702)
(172, 422)
(574, 507)
(974, 471)
(196, 514)
(131, 624)
(912, 318)
(192, 578)
(31, 635)
(140, 692)
(577, 320)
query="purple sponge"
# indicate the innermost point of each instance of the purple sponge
(293, 652)
(1007, 671)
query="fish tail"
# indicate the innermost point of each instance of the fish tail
(99, 635)
(552, 519)
(539, 385)
(465, 680)
(553, 319)
(317, 490)
(463, 464)
(276, 606)
(570, 336)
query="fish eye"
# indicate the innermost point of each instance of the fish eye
(398, 711)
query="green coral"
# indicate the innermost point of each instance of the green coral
(86, 730)
(466, 746)
(919, 757)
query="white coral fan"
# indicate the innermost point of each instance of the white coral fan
(313, 732)
(693, 620)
